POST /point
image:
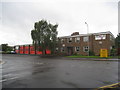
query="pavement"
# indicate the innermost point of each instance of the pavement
(94, 59)
(25, 71)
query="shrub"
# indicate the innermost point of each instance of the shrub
(91, 53)
(113, 52)
(75, 54)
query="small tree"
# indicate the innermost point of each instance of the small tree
(113, 52)
(117, 44)
(44, 35)
(6, 48)
(117, 41)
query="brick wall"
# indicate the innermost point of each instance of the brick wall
(94, 45)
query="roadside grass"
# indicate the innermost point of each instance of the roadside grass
(79, 56)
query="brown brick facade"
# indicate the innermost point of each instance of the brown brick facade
(79, 46)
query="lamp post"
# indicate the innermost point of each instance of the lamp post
(88, 36)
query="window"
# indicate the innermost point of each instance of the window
(17, 47)
(62, 49)
(85, 39)
(69, 40)
(57, 39)
(111, 38)
(62, 40)
(77, 39)
(86, 49)
(100, 37)
(77, 49)
(111, 47)
(57, 49)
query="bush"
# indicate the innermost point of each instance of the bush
(91, 53)
(75, 54)
(113, 52)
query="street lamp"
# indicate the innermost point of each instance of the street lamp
(88, 36)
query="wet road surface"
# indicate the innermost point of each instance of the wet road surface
(25, 71)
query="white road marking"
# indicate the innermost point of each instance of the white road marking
(6, 75)
(8, 79)
(2, 62)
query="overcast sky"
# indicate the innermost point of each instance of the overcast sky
(18, 18)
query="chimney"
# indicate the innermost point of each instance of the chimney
(75, 33)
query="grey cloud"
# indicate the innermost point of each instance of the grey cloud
(19, 17)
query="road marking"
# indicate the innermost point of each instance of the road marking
(109, 86)
(2, 62)
(8, 79)
(6, 75)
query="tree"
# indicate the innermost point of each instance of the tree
(117, 43)
(113, 52)
(6, 48)
(44, 35)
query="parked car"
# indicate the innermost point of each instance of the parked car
(12, 52)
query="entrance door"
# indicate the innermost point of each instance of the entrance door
(70, 50)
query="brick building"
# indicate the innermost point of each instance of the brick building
(83, 43)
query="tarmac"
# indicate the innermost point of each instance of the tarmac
(95, 59)
(28, 71)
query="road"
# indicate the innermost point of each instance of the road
(25, 71)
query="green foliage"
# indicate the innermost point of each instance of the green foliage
(45, 35)
(117, 41)
(77, 56)
(113, 52)
(6, 48)
(74, 56)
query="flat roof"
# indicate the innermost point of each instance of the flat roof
(108, 32)
(24, 45)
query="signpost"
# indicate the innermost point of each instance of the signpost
(103, 53)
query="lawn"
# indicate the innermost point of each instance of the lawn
(79, 56)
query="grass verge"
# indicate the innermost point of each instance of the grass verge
(78, 56)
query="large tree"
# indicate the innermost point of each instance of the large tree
(44, 35)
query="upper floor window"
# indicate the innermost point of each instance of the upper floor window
(77, 39)
(85, 39)
(62, 40)
(69, 40)
(100, 37)
(111, 38)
